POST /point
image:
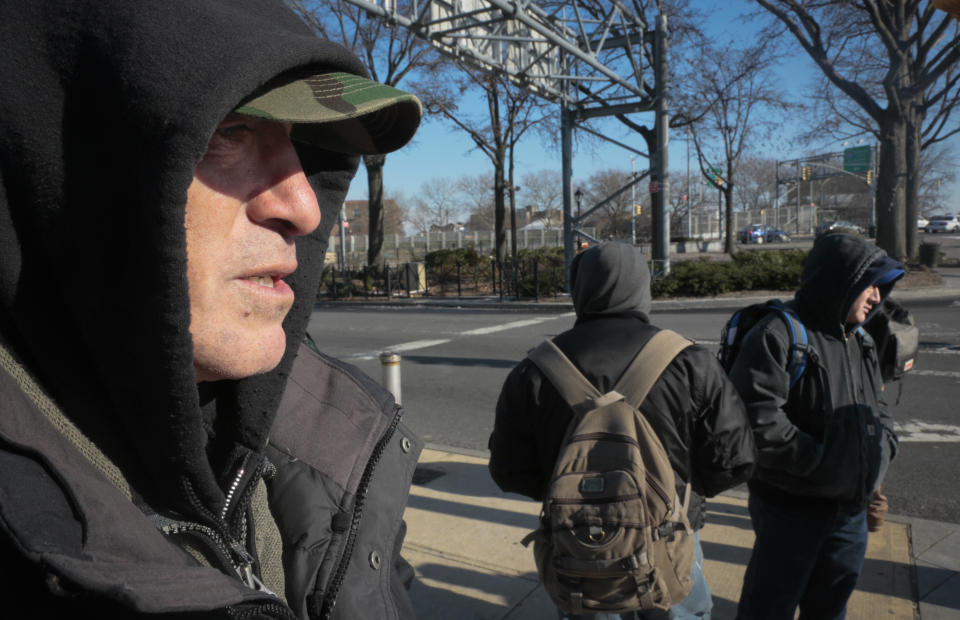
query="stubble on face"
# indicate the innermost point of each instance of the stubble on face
(248, 201)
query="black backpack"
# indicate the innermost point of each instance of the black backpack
(741, 321)
(897, 337)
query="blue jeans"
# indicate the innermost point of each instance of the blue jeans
(695, 606)
(801, 558)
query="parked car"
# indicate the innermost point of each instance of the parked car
(762, 233)
(843, 225)
(943, 223)
(922, 222)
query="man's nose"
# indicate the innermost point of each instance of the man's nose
(288, 202)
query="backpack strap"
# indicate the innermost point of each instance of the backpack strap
(575, 389)
(799, 345)
(633, 385)
(649, 364)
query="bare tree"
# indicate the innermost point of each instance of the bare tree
(476, 196)
(543, 190)
(612, 220)
(938, 168)
(390, 54)
(510, 113)
(895, 59)
(756, 184)
(733, 108)
(435, 206)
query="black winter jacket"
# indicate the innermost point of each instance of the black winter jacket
(694, 409)
(106, 108)
(338, 471)
(825, 443)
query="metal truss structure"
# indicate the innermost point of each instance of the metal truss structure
(593, 57)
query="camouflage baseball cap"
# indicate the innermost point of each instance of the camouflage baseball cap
(339, 111)
(950, 6)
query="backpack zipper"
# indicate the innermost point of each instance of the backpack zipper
(336, 582)
(605, 437)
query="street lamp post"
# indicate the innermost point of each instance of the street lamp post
(579, 197)
(633, 204)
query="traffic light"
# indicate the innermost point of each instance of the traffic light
(637, 209)
(869, 177)
(805, 173)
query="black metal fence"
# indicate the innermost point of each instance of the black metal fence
(534, 275)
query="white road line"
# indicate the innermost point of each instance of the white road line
(917, 431)
(400, 348)
(941, 350)
(936, 373)
(481, 331)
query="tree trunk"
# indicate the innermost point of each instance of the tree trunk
(499, 209)
(728, 232)
(912, 211)
(374, 166)
(892, 187)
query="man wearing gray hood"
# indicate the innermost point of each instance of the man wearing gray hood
(693, 408)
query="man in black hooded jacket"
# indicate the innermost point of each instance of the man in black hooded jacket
(693, 407)
(169, 174)
(825, 443)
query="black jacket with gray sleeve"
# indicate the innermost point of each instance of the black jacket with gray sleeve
(693, 407)
(825, 443)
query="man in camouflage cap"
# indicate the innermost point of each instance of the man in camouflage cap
(169, 175)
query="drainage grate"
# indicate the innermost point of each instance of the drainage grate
(423, 475)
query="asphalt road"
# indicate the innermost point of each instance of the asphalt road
(455, 360)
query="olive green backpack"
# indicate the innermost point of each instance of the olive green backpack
(614, 534)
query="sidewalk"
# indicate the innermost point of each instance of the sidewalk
(464, 535)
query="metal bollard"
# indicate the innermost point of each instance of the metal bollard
(390, 365)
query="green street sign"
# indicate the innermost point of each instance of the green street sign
(857, 159)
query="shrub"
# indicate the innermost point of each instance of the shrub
(777, 270)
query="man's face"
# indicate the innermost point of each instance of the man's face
(248, 200)
(863, 304)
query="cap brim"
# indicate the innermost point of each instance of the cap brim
(341, 112)
(950, 6)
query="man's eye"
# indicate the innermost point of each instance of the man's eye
(232, 132)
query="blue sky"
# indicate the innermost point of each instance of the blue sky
(439, 151)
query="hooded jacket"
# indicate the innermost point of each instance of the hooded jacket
(693, 408)
(825, 443)
(109, 449)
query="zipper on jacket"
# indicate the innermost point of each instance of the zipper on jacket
(860, 492)
(230, 549)
(336, 582)
(233, 488)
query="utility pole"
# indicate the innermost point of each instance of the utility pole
(797, 224)
(661, 183)
(687, 195)
(633, 204)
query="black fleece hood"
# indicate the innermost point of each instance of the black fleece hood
(838, 268)
(610, 278)
(106, 107)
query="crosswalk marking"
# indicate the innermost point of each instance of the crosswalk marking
(919, 431)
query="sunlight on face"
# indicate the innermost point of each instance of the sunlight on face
(248, 201)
